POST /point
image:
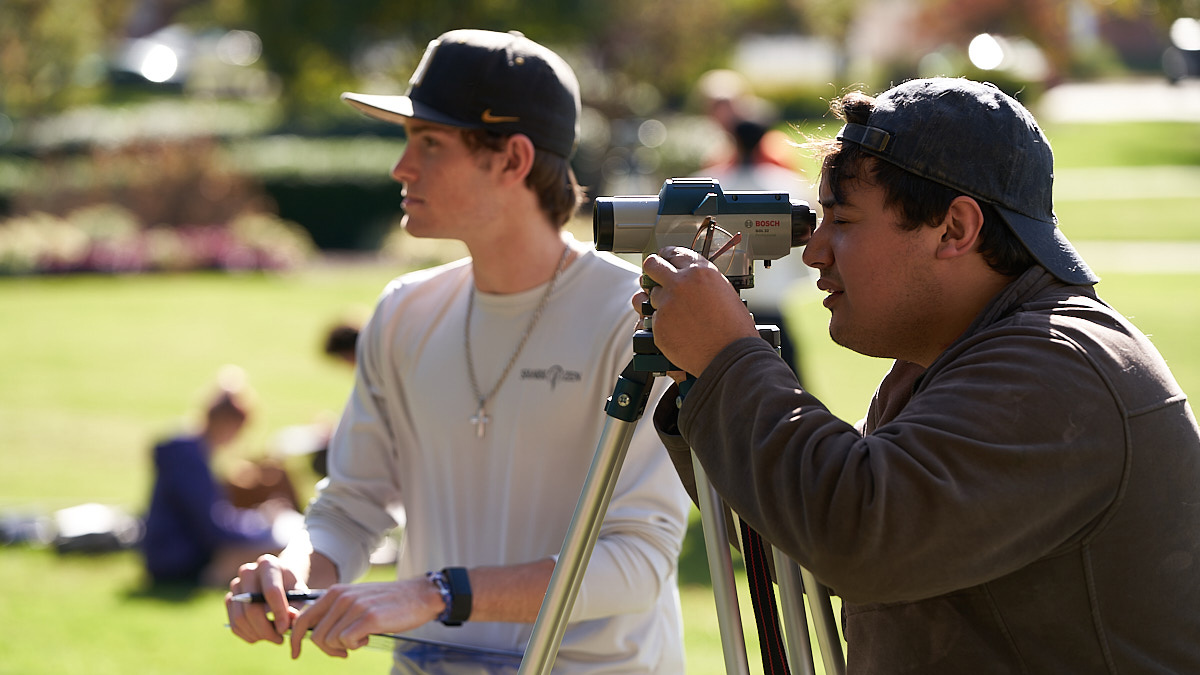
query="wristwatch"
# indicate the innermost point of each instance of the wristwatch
(455, 588)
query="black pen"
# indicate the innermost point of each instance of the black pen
(292, 596)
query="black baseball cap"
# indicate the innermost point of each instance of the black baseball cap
(974, 138)
(477, 79)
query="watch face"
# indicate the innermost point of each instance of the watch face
(459, 609)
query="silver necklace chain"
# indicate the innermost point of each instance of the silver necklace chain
(480, 419)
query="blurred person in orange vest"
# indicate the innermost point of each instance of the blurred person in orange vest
(752, 158)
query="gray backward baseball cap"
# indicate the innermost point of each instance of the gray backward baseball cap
(974, 138)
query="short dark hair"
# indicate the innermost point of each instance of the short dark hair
(229, 405)
(341, 340)
(551, 178)
(918, 201)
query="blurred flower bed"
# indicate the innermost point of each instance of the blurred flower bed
(170, 204)
(109, 239)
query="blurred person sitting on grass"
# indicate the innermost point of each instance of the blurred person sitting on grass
(341, 341)
(194, 533)
(341, 345)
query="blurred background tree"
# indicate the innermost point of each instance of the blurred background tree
(51, 52)
(98, 96)
(316, 48)
(54, 53)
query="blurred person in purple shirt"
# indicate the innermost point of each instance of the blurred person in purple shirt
(194, 534)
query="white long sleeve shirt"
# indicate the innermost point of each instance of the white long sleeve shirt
(406, 439)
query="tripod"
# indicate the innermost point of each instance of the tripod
(624, 408)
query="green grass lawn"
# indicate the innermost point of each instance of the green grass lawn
(102, 365)
(95, 368)
(90, 615)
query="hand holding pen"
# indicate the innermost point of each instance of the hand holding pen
(292, 596)
(260, 605)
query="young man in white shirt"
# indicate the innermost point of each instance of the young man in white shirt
(478, 402)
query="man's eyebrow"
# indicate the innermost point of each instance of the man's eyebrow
(415, 126)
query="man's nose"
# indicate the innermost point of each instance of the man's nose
(401, 171)
(816, 251)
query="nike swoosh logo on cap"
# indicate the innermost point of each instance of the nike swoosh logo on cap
(489, 118)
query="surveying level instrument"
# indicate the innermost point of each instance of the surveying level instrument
(737, 228)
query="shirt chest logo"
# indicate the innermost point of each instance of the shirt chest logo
(554, 374)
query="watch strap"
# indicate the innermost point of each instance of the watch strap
(454, 584)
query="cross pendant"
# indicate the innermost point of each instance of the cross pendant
(480, 419)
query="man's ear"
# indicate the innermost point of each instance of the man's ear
(517, 157)
(960, 228)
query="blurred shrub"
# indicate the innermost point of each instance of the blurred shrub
(411, 252)
(108, 239)
(161, 181)
(142, 203)
(276, 243)
(337, 188)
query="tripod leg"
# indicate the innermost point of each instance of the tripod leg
(825, 624)
(624, 408)
(720, 569)
(795, 622)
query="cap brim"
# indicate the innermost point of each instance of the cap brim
(396, 109)
(1050, 247)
